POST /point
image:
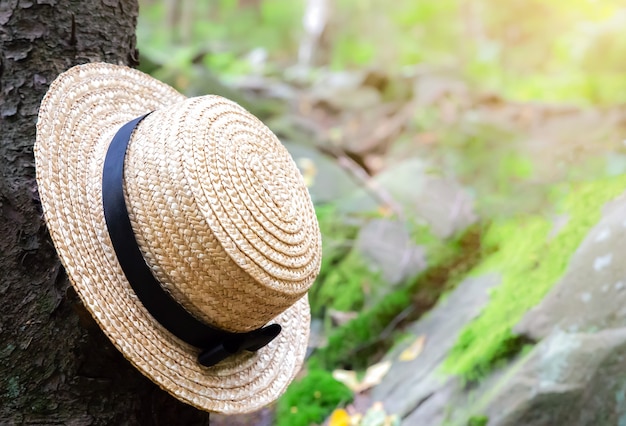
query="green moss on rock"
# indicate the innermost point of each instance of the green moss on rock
(344, 288)
(358, 343)
(350, 344)
(531, 257)
(337, 233)
(478, 421)
(355, 344)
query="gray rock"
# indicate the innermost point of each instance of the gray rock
(329, 182)
(437, 201)
(567, 379)
(415, 389)
(345, 91)
(389, 250)
(591, 295)
(576, 374)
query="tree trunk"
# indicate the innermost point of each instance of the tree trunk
(56, 366)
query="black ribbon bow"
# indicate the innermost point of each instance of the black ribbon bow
(252, 341)
(215, 344)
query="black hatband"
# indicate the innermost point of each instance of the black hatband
(215, 344)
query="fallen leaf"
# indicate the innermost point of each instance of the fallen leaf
(374, 375)
(348, 378)
(339, 417)
(414, 350)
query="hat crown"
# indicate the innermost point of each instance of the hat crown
(221, 213)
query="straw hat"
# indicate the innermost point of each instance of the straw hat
(208, 204)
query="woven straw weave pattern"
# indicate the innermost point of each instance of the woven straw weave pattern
(78, 117)
(230, 231)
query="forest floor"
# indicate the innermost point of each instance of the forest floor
(506, 157)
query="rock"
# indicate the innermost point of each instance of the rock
(575, 375)
(415, 389)
(389, 250)
(591, 295)
(567, 379)
(327, 181)
(344, 91)
(438, 201)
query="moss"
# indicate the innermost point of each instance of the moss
(347, 279)
(478, 421)
(346, 286)
(337, 233)
(530, 260)
(422, 235)
(357, 343)
(311, 399)
(350, 345)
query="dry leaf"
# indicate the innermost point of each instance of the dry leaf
(339, 417)
(414, 350)
(348, 378)
(374, 375)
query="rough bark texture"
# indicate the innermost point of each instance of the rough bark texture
(56, 366)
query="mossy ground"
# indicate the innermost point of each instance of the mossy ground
(363, 340)
(310, 399)
(478, 421)
(531, 256)
(527, 251)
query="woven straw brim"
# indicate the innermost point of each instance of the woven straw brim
(79, 115)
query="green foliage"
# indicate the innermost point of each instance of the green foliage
(218, 36)
(478, 421)
(350, 51)
(383, 34)
(346, 279)
(337, 233)
(345, 342)
(436, 248)
(553, 50)
(530, 259)
(545, 50)
(311, 399)
(356, 343)
(344, 287)
(339, 284)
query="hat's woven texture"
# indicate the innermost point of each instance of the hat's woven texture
(221, 215)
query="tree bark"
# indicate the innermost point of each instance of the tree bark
(56, 366)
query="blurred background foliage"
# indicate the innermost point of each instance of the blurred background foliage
(440, 139)
(550, 50)
(481, 78)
